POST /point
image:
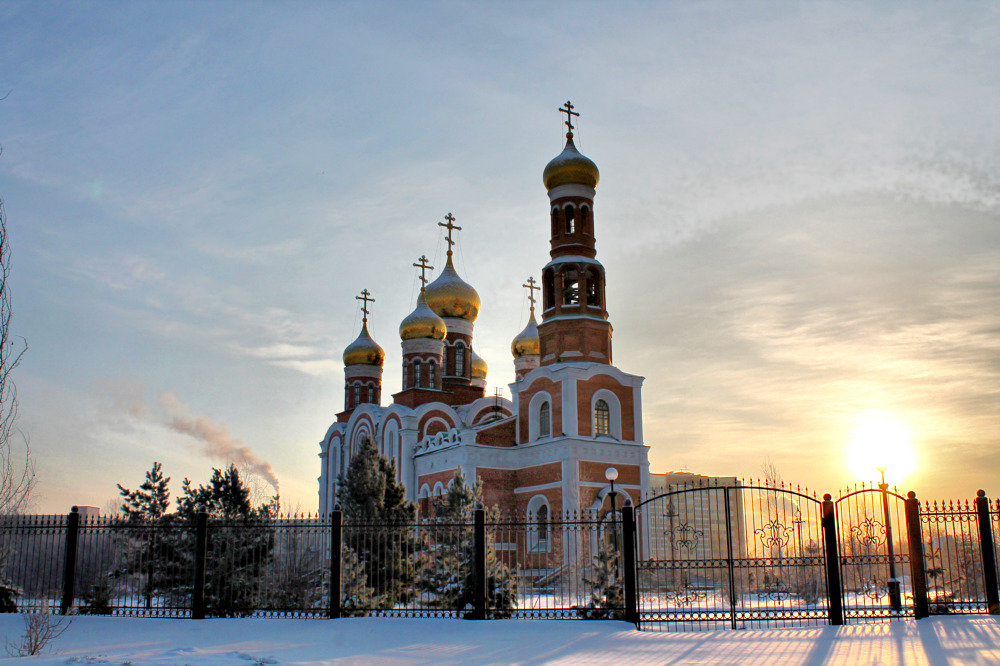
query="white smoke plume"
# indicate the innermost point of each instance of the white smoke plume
(215, 438)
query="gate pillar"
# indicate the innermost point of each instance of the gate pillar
(915, 543)
(834, 590)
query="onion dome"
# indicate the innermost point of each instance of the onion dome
(570, 166)
(422, 323)
(364, 350)
(478, 366)
(451, 296)
(526, 343)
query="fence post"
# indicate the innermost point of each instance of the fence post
(479, 566)
(336, 559)
(730, 566)
(628, 542)
(915, 544)
(989, 554)
(200, 552)
(69, 564)
(833, 588)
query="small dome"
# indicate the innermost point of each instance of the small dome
(570, 166)
(451, 296)
(364, 350)
(478, 366)
(526, 343)
(422, 323)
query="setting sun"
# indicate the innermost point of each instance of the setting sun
(881, 441)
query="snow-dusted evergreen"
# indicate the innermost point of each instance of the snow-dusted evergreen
(378, 529)
(450, 572)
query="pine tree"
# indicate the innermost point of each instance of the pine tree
(147, 553)
(151, 500)
(379, 525)
(241, 541)
(606, 600)
(450, 572)
(357, 598)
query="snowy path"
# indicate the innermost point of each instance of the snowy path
(91, 640)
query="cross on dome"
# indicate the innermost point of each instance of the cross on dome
(366, 298)
(424, 267)
(567, 108)
(450, 226)
(531, 286)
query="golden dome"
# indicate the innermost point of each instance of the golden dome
(478, 366)
(451, 296)
(422, 323)
(526, 343)
(570, 166)
(364, 350)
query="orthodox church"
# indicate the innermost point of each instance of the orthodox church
(572, 413)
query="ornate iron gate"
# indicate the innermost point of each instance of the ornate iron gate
(874, 554)
(731, 556)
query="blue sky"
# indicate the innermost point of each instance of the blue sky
(799, 213)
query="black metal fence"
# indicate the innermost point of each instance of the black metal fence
(734, 555)
(486, 567)
(742, 555)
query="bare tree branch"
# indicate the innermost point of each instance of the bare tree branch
(17, 472)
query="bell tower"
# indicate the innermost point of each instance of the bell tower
(575, 323)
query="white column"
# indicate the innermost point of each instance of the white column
(569, 407)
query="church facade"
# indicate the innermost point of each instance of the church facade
(572, 413)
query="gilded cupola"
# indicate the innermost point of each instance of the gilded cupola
(364, 350)
(478, 366)
(449, 295)
(570, 166)
(526, 343)
(422, 322)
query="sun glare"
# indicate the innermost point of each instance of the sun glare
(881, 441)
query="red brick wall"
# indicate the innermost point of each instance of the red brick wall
(585, 391)
(501, 434)
(498, 487)
(444, 477)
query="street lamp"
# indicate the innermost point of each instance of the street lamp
(893, 583)
(611, 474)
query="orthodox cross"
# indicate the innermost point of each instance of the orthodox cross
(365, 298)
(530, 286)
(567, 108)
(424, 267)
(450, 226)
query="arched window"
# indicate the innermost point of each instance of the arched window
(602, 418)
(548, 288)
(555, 220)
(571, 286)
(570, 219)
(417, 379)
(371, 394)
(407, 382)
(431, 375)
(459, 360)
(585, 224)
(542, 518)
(544, 419)
(593, 287)
(357, 395)
(538, 524)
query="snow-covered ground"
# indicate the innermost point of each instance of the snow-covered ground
(94, 640)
